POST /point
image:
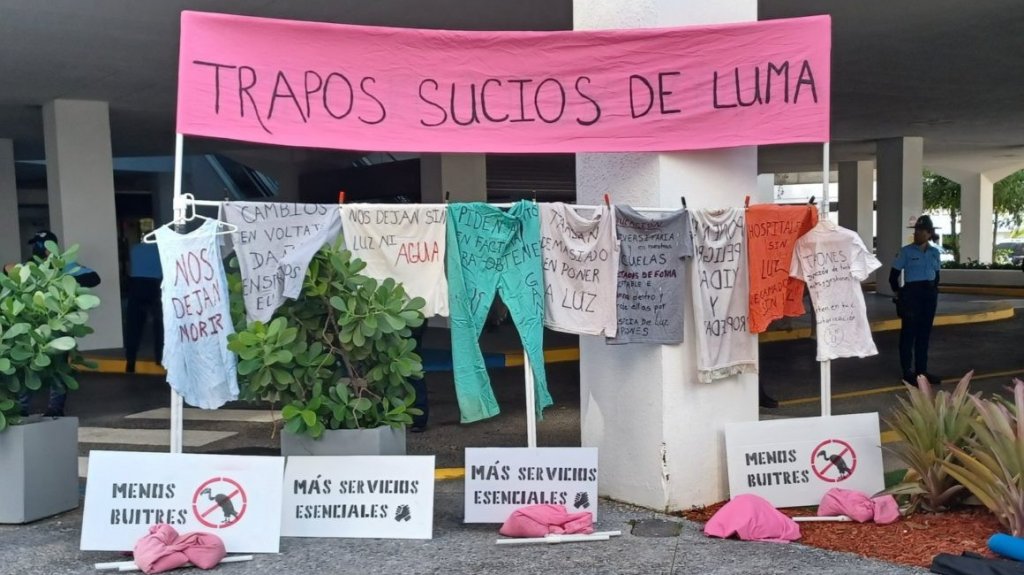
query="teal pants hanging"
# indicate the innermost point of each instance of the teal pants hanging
(492, 250)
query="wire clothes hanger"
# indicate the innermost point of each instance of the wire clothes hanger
(184, 215)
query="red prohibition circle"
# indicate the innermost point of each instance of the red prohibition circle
(237, 495)
(835, 461)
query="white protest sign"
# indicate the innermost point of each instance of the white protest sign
(385, 497)
(793, 462)
(236, 497)
(500, 480)
(274, 243)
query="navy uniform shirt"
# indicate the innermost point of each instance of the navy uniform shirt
(918, 265)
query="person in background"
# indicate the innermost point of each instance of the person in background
(419, 422)
(144, 279)
(917, 299)
(85, 277)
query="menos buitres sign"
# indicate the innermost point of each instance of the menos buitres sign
(236, 497)
(793, 462)
(501, 480)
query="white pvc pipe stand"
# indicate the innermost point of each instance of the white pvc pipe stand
(826, 366)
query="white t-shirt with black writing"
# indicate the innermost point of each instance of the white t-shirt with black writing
(832, 261)
(406, 243)
(197, 317)
(581, 258)
(275, 243)
(720, 288)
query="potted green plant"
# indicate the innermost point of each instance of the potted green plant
(43, 312)
(337, 360)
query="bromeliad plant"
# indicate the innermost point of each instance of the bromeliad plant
(992, 465)
(932, 425)
(43, 311)
(338, 357)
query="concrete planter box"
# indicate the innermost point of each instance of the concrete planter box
(376, 441)
(38, 469)
(994, 278)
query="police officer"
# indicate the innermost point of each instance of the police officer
(917, 299)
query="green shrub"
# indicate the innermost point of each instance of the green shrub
(929, 423)
(991, 466)
(340, 356)
(43, 311)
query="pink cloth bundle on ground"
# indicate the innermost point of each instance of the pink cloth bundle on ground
(163, 549)
(858, 506)
(751, 518)
(540, 520)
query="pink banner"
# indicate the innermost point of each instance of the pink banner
(405, 90)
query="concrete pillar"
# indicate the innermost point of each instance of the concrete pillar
(900, 198)
(976, 217)
(464, 175)
(856, 199)
(80, 182)
(659, 432)
(10, 240)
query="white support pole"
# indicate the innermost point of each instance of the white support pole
(826, 366)
(531, 404)
(177, 405)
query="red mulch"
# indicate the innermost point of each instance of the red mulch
(912, 540)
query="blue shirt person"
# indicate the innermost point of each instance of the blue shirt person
(144, 280)
(917, 299)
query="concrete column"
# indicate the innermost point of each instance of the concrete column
(10, 240)
(856, 199)
(80, 182)
(976, 218)
(464, 175)
(659, 432)
(900, 198)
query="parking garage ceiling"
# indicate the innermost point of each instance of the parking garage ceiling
(951, 71)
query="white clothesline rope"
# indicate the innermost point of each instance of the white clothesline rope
(217, 203)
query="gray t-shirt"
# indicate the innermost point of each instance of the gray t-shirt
(650, 292)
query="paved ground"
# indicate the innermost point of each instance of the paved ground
(788, 371)
(51, 547)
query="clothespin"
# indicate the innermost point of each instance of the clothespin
(535, 196)
(811, 201)
(683, 200)
(746, 202)
(607, 200)
(447, 195)
(341, 196)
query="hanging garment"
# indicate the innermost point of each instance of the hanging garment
(275, 243)
(833, 261)
(405, 243)
(720, 291)
(491, 250)
(197, 317)
(772, 232)
(581, 258)
(650, 280)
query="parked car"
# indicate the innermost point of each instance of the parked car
(1012, 251)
